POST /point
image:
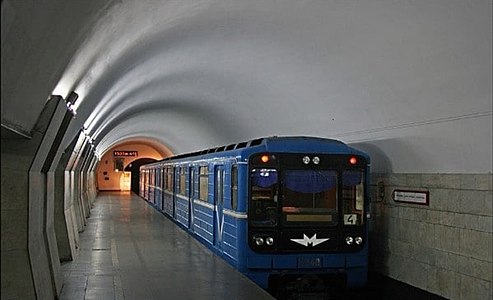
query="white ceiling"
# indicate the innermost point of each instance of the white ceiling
(408, 81)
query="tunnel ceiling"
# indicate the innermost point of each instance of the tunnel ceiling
(408, 81)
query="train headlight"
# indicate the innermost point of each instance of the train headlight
(306, 160)
(259, 241)
(316, 160)
(269, 241)
(349, 240)
(358, 240)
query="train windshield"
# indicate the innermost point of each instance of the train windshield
(304, 196)
(309, 196)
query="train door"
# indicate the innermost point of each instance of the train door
(176, 186)
(218, 205)
(146, 185)
(141, 183)
(191, 195)
(163, 183)
(157, 194)
(152, 177)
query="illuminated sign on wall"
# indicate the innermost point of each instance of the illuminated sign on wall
(125, 153)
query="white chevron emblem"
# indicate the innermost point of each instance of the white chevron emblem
(305, 241)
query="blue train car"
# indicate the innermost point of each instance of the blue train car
(291, 213)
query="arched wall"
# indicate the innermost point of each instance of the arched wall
(108, 179)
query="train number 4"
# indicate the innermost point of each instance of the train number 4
(350, 219)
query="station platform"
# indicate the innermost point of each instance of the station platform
(129, 250)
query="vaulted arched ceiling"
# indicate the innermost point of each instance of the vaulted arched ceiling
(409, 81)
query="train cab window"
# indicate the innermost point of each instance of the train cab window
(309, 196)
(353, 197)
(234, 187)
(203, 183)
(263, 197)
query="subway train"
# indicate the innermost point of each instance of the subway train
(291, 213)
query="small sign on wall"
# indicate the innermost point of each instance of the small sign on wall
(125, 153)
(409, 196)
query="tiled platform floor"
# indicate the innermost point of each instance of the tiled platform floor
(130, 251)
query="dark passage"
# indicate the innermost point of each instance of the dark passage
(134, 168)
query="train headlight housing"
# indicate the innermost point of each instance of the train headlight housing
(316, 160)
(358, 240)
(349, 240)
(306, 160)
(263, 241)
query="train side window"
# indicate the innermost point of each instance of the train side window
(177, 181)
(234, 187)
(166, 178)
(152, 178)
(169, 178)
(163, 178)
(158, 177)
(203, 183)
(183, 188)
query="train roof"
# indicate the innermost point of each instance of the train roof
(276, 143)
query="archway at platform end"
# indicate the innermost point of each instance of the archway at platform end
(118, 169)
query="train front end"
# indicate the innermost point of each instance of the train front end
(307, 220)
